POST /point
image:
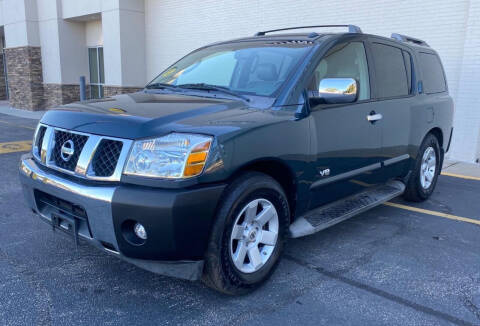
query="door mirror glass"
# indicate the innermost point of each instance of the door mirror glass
(336, 90)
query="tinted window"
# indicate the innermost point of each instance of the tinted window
(408, 65)
(345, 61)
(390, 72)
(433, 78)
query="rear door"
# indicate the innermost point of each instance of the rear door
(394, 77)
(346, 145)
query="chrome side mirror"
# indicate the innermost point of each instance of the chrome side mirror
(336, 90)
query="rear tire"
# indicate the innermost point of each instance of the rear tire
(248, 236)
(424, 176)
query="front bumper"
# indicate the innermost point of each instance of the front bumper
(178, 222)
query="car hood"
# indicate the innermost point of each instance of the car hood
(142, 115)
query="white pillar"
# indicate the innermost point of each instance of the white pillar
(64, 53)
(466, 137)
(48, 17)
(123, 24)
(21, 23)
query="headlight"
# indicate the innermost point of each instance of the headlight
(173, 156)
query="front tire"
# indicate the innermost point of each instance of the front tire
(424, 177)
(248, 235)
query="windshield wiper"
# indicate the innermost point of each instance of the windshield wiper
(208, 87)
(162, 86)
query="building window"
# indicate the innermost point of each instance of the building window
(97, 73)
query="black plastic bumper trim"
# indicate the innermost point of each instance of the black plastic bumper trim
(177, 221)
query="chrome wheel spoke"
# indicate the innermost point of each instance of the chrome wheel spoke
(251, 212)
(265, 215)
(237, 232)
(239, 255)
(269, 238)
(255, 257)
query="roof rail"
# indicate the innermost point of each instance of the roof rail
(408, 39)
(351, 29)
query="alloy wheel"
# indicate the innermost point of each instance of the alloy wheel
(428, 168)
(254, 235)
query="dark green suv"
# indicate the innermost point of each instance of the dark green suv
(240, 145)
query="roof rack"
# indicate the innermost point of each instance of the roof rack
(408, 39)
(351, 29)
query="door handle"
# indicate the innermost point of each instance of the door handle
(373, 117)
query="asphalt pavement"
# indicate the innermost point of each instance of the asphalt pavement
(398, 264)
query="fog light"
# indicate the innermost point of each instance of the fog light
(140, 231)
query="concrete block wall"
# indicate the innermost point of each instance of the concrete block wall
(466, 138)
(174, 28)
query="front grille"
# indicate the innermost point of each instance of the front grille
(61, 137)
(87, 156)
(39, 140)
(106, 157)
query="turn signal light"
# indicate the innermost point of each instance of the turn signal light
(196, 160)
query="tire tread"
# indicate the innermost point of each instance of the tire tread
(413, 191)
(218, 274)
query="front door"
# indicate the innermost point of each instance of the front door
(348, 147)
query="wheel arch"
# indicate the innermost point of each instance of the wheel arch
(437, 133)
(279, 171)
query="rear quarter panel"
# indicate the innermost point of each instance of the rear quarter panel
(430, 111)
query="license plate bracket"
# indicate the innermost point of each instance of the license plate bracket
(66, 224)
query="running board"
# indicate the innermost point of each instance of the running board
(341, 210)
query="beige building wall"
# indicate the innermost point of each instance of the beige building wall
(47, 42)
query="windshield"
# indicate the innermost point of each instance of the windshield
(250, 68)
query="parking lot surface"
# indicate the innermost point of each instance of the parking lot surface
(398, 264)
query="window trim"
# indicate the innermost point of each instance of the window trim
(370, 74)
(414, 80)
(412, 85)
(372, 77)
(443, 73)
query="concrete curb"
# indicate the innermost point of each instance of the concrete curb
(5, 108)
(461, 169)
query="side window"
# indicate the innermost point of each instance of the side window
(347, 60)
(390, 72)
(432, 73)
(408, 65)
